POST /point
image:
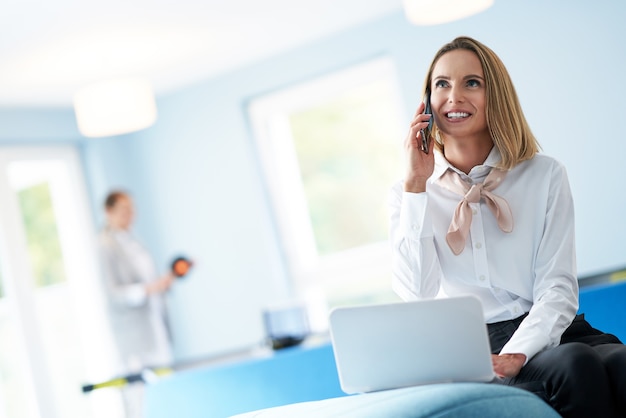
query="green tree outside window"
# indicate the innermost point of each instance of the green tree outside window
(42, 235)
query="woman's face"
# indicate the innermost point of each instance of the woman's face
(120, 216)
(458, 96)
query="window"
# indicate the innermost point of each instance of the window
(330, 150)
(42, 236)
(53, 336)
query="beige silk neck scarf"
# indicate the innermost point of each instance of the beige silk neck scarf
(462, 219)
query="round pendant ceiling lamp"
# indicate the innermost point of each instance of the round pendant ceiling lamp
(434, 12)
(115, 107)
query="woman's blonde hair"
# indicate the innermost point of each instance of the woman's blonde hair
(505, 120)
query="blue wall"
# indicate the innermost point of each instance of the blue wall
(198, 187)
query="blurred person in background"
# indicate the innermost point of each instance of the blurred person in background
(135, 294)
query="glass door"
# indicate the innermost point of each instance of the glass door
(53, 332)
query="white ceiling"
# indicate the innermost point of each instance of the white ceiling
(51, 48)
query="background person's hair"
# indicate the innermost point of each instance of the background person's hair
(113, 197)
(505, 119)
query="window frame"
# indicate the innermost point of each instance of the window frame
(82, 278)
(268, 117)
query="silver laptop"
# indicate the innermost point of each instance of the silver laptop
(389, 346)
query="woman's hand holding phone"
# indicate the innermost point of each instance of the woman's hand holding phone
(420, 163)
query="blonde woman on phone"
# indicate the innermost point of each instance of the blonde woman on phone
(482, 212)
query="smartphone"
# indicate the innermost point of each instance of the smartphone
(426, 132)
